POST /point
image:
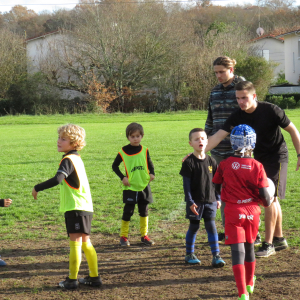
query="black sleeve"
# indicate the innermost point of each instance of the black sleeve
(282, 119)
(65, 169)
(264, 196)
(187, 191)
(186, 169)
(2, 202)
(57, 179)
(150, 164)
(115, 166)
(209, 121)
(230, 122)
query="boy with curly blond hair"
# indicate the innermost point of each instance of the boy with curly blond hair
(75, 203)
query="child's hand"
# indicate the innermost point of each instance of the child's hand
(218, 204)
(7, 202)
(34, 193)
(193, 209)
(152, 177)
(126, 181)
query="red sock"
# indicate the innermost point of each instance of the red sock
(249, 270)
(240, 280)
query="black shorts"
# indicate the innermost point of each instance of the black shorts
(78, 222)
(278, 173)
(133, 197)
(205, 211)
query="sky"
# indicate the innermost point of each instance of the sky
(52, 5)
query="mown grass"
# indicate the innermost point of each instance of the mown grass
(29, 156)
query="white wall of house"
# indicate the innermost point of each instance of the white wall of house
(45, 53)
(272, 50)
(38, 49)
(292, 57)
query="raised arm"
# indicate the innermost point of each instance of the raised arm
(292, 130)
(215, 139)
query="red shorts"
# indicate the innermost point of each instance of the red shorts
(241, 223)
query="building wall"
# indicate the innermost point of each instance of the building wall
(45, 54)
(292, 58)
(275, 50)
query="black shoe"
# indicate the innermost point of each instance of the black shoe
(280, 243)
(124, 241)
(91, 281)
(265, 250)
(221, 236)
(257, 240)
(69, 284)
(146, 241)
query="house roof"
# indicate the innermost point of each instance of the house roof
(42, 35)
(268, 36)
(297, 31)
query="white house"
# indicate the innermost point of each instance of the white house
(292, 55)
(272, 49)
(44, 53)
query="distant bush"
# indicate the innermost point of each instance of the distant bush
(283, 101)
(31, 95)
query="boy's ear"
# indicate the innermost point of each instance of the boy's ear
(190, 143)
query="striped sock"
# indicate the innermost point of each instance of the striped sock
(212, 236)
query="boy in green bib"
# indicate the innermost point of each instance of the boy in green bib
(136, 189)
(76, 203)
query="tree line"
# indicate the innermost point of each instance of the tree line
(126, 56)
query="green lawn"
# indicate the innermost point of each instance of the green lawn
(29, 156)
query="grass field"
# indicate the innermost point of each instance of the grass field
(29, 156)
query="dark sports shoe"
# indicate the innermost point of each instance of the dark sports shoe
(257, 240)
(221, 236)
(2, 263)
(265, 250)
(280, 243)
(69, 284)
(146, 241)
(217, 262)
(91, 281)
(124, 241)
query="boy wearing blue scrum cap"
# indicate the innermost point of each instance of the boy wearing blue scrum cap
(197, 172)
(244, 186)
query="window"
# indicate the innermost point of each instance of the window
(266, 54)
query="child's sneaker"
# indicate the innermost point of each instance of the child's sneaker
(2, 263)
(280, 243)
(192, 259)
(124, 241)
(244, 297)
(218, 262)
(146, 241)
(250, 288)
(91, 281)
(265, 250)
(69, 284)
(257, 240)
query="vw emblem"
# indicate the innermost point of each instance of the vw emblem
(235, 165)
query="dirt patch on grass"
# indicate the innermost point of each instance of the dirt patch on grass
(139, 272)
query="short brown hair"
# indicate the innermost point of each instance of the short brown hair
(195, 130)
(133, 127)
(225, 61)
(75, 133)
(245, 85)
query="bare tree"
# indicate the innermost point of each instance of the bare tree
(13, 59)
